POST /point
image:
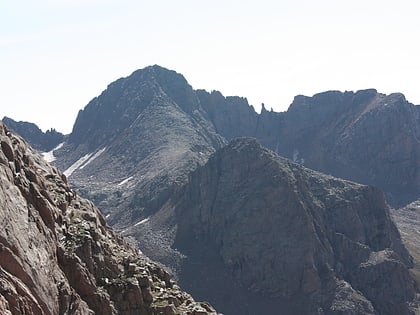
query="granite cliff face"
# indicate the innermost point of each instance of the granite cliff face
(42, 141)
(313, 243)
(57, 256)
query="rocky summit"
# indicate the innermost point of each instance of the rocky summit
(57, 255)
(271, 235)
(134, 143)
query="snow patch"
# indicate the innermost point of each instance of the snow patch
(142, 221)
(82, 162)
(49, 156)
(77, 164)
(125, 181)
(93, 157)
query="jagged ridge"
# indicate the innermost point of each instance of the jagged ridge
(364, 136)
(42, 141)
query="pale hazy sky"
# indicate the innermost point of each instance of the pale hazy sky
(56, 55)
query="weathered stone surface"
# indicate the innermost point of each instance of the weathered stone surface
(65, 260)
(6, 147)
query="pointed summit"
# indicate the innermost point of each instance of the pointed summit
(125, 100)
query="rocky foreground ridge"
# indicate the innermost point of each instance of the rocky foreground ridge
(39, 140)
(313, 243)
(57, 255)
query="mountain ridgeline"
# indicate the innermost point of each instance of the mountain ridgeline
(365, 136)
(240, 226)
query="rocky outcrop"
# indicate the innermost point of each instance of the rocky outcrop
(57, 256)
(313, 243)
(233, 117)
(42, 141)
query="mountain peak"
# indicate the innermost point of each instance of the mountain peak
(125, 100)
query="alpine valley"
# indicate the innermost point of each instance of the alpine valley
(257, 213)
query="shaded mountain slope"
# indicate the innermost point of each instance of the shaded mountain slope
(258, 225)
(42, 141)
(364, 136)
(57, 256)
